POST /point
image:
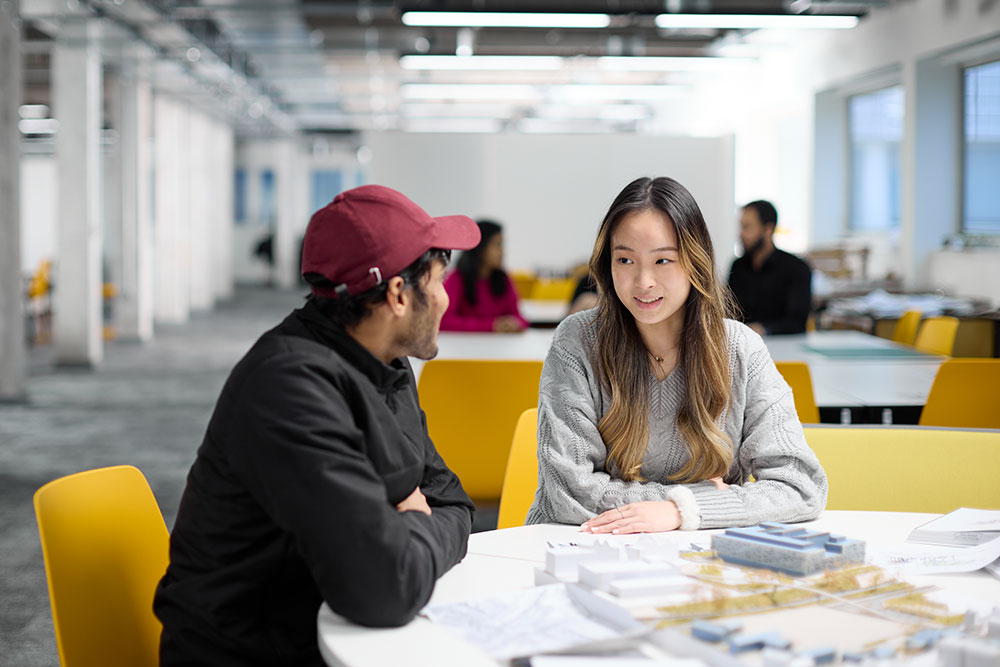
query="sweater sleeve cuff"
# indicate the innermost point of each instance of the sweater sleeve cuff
(717, 508)
(686, 506)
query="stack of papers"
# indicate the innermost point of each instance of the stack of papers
(965, 527)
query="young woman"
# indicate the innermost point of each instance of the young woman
(654, 410)
(482, 295)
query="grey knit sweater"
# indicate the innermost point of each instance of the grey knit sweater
(575, 482)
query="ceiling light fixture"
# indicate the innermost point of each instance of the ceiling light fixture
(669, 63)
(481, 62)
(506, 19)
(756, 21)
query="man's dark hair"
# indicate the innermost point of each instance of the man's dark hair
(765, 211)
(353, 308)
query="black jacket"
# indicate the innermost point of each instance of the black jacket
(778, 296)
(291, 501)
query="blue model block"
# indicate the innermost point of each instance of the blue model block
(822, 655)
(741, 643)
(778, 546)
(884, 653)
(710, 632)
(923, 639)
(854, 656)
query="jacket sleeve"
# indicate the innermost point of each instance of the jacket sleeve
(303, 460)
(510, 303)
(798, 302)
(457, 317)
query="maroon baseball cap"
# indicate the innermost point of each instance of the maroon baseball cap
(370, 234)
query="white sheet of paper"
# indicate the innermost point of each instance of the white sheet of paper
(938, 560)
(965, 519)
(533, 620)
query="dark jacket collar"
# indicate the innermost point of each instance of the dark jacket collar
(386, 378)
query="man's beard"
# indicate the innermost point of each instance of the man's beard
(420, 338)
(755, 248)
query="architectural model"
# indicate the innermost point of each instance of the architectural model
(778, 546)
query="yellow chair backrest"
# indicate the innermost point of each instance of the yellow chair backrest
(937, 335)
(906, 328)
(472, 406)
(524, 283)
(796, 374)
(553, 289)
(965, 393)
(521, 479)
(105, 547)
(896, 469)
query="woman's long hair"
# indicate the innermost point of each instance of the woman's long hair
(471, 261)
(621, 357)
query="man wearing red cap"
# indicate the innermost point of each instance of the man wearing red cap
(316, 480)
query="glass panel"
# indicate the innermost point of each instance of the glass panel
(268, 212)
(981, 182)
(326, 184)
(876, 129)
(240, 196)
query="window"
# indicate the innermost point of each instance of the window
(268, 212)
(981, 169)
(875, 126)
(326, 184)
(240, 196)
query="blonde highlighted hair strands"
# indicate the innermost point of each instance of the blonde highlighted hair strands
(621, 357)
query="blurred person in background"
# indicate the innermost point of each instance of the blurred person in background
(772, 287)
(483, 297)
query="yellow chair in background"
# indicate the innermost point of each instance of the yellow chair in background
(894, 469)
(965, 393)
(937, 335)
(521, 478)
(472, 406)
(553, 289)
(105, 547)
(796, 374)
(906, 327)
(524, 283)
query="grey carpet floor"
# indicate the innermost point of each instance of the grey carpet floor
(146, 405)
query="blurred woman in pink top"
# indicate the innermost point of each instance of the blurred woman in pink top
(482, 295)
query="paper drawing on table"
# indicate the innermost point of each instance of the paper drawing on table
(535, 620)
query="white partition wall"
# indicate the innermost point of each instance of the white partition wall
(551, 191)
(201, 185)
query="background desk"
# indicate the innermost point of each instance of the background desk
(881, 375)
(504, 560)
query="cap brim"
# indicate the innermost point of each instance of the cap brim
(455, 232)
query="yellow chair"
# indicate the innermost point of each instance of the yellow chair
(524, 283)
(472, 406)
(521, 479)
(105, 547)
(554, 289)
(796, 374)
(906, 327)
(896, 469)
(937, 335)
(965, 393)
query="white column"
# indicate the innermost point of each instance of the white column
(286, 253)
(134, 304)
(77, 97)
(171, 221)
(11, 291)
(222, 209)
(201, 184)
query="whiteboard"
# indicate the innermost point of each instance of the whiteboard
(550, 192)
